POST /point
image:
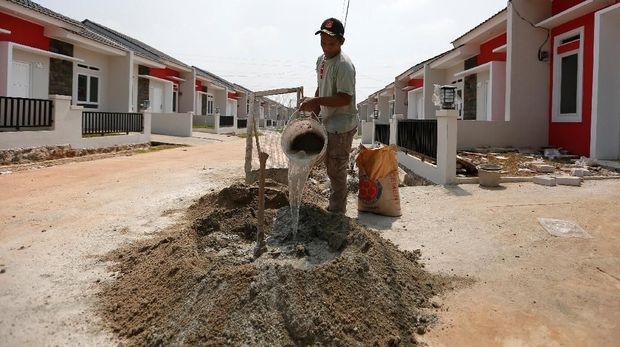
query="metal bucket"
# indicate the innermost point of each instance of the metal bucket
(489, 175)
(304, 140)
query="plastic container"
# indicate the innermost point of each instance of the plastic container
(489, 175)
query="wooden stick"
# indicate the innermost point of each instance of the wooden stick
(260, 235)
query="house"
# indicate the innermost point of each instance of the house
(45, 54)
(584, 79)
(217, 98)
(158, 78)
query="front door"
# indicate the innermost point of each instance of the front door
(20, 81)
(157, 103)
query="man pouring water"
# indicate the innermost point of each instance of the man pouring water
(334, 102)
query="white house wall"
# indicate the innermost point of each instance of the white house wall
(187, 92)
(97, 60)
(449, 73)
(527, 91)
(498, 91)
(119, 84)
(220, 97)
(431, 77)
(134, 88)
(6, 56)
(606, 100)
(39, 72)
(400, 97)
(483, 96)
(384, 109)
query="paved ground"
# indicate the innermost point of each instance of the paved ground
(531, 289)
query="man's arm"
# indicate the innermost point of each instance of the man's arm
(339, 100)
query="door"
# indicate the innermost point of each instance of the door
(419, 104)
(484, 101)
(21, 77)
(157, 101)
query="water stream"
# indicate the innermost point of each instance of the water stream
(304, 150)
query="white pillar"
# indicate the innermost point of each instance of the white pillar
(446, 145)
(216, 124)
(394, 129)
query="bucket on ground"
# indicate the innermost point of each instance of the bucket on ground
(489, 175)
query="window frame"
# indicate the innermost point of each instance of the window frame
(90, 72)
(577, 116)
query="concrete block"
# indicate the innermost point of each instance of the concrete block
(542, 168)
(544, 180)
(568, 181)
(580, 172)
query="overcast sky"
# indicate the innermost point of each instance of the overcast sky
(270, 44)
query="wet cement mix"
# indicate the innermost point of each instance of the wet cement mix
(337, 283)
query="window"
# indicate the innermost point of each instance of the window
(568, 87)
(247, 106)
(88, 91)
(207, 104)
(568, 77)
(87, 86)
(210, 104)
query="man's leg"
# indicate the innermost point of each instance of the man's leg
(336, 161)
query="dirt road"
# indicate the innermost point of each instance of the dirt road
(532, 289)
(56, 222)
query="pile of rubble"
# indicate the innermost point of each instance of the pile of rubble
(554, 169)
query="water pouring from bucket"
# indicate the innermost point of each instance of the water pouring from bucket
(304, 141)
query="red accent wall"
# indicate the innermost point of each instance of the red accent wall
(23, 32)
(233, 95)
(164, 73)
(416, 83)
(198, 85)
(562, 5)
(486, 50)
(575, 137)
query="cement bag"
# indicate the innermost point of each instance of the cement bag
(378, 186)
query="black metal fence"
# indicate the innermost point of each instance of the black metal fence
(111, 123)
(382, 133)
(227, 121)
(242, 123)
(418, 135)
(17, 113)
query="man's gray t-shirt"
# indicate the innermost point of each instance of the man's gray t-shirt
(337, 75)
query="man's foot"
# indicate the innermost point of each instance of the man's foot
(337, 211)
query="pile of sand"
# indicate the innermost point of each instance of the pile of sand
(334, 283)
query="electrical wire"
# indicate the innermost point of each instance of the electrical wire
(347, 14)
(540, 55)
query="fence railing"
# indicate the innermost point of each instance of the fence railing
(418, 135)
(18, 113)
(382, 133)
(227, 121)
(111, 123)
(242, 123)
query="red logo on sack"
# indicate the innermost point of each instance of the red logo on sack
(329, 24)
(369, 191)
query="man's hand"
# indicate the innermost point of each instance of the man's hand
(310, 105)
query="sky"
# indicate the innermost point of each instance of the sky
(268, 44)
